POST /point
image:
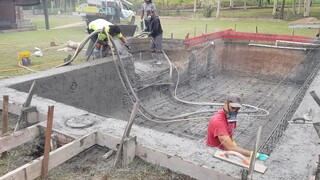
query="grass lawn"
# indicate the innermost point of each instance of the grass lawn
(13, 43)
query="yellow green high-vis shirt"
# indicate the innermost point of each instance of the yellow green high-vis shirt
(99, 24)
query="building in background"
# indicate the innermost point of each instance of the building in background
(11, 16)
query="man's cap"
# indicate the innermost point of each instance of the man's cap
(234, 100)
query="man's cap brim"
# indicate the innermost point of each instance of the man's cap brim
(235, 105)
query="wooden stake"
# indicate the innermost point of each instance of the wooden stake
(45, 161)
(292, 32)
(206, 30)
(194, 33)
(5, 115)
(256, 29)
(254, 154)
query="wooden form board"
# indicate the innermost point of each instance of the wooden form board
(18, 138)
(32, 170)
(62, 154)
(257, 167)
(178, 164)
(163, 159)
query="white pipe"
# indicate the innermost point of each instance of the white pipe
(294, 42)
(279, 47)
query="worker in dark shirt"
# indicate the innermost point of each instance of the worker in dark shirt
(156, 35)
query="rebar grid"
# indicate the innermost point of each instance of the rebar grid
(268, 146)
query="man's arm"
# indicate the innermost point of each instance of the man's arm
(124, 41)
(229, 146)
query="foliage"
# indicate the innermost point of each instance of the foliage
(208, 7)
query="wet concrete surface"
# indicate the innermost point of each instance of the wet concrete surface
(175, 137)
(266, 94)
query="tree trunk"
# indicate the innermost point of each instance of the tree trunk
(306, 8)
(73, 5)
(195, 6)
(260, 4)
(65, 6)
(300, 6)
(231, 4)
(218, 9)
(245, 5)
(275, 7)
(282, 9)
(294, 9)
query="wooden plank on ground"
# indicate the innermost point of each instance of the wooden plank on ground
(258, 167)
(178, 164)
(18, 138)
(32, 170)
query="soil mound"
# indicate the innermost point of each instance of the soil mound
(309, 20)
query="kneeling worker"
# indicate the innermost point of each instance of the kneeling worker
(222, 125)
(102, 38)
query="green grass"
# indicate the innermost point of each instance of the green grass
(251, 12)
(180, 27)
(13, 43)
(55, 21)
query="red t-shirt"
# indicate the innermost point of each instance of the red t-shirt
(219, 126)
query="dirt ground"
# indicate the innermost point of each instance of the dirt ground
(88, 165)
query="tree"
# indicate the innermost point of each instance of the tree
(231, 4)
(260, 3)
(282, 9)
(208, 6)
(306, 8)
(294, 9)
(300, 7)
(275, 7)
(218, 8)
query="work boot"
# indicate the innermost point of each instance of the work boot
(105, 51)
(158, 62)
(159, 58)
(96, 54)
(154, 57)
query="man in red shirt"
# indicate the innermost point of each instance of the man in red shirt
(222, 125)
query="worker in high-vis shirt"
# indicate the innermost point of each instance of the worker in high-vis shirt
(101, 38)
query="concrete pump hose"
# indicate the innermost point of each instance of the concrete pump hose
(80, 47)
(181, 117)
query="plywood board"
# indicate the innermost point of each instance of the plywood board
(258, 167)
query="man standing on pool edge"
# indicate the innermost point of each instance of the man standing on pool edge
(222, 125)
